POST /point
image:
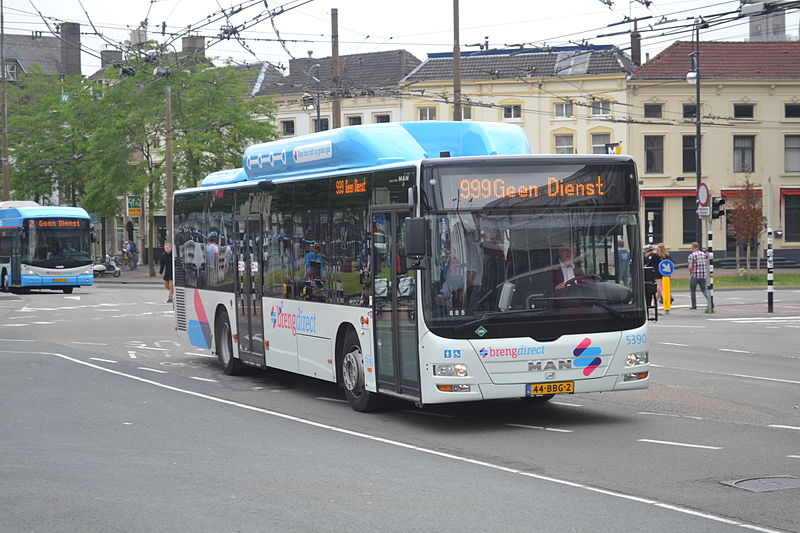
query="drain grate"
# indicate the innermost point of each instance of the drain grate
(765, 483)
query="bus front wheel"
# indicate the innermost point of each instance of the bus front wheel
(3, 282)
(352, 371)
(67, 290)
(224, 340)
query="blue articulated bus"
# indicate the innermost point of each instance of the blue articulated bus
(430, 261)
(44, 247)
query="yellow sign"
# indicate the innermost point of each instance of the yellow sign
(134, 206)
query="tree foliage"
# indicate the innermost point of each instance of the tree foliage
(107, 139)
(746, 217)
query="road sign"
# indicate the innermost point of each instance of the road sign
(702, 195)
(703, 211)
(134, 205)
(666, 267)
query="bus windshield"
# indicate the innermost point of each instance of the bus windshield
(532, 250)
(56, 243)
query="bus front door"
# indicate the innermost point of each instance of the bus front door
(394, 308)
(249, 312)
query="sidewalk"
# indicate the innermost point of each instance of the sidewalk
(140, 276)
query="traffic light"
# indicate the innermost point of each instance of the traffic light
(716, 207)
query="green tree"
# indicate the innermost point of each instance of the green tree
(47, 141)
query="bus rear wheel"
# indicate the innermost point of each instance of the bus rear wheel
(352, 371)
(224, 340)
(67, 290)
(3, 282)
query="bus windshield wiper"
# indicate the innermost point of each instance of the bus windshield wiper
(490, 314)
(600, 302)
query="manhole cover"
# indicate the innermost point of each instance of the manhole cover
(765, 483)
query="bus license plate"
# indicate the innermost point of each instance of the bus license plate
(557, 387)
(60, 280)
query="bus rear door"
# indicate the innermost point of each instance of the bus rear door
(249, 308)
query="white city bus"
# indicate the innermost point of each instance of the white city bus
(426, 261)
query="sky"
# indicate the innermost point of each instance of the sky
(419, 26)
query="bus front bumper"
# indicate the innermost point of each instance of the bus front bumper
(55, 281)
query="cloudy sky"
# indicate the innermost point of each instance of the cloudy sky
(419, 26)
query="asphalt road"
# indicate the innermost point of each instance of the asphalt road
(108, 424)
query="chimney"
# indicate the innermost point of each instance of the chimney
(70, 48)
(110, 57)
(636, 48)
(300, 66)
(194, 45)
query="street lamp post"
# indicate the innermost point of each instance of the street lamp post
(693, 77)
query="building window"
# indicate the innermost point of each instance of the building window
(601, 108)
(427, 113)
(466, 112)
(690, 111)
(323, 124)
(743, 110)
(689, 155)
(11, 72)
(382, 119)
(564, 144)
(744, 147)
(792, 218)
(512, 112)
(599, 142)
(287, 127)
(791, 158)
(689, 219)
(654, 219)
(792, 110)
(654, 154)
(354, 120)
(653, 110)
(564, 110)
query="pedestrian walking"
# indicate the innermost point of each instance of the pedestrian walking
(165, 267)
(651, 260)
(662, 254)
(698, 273)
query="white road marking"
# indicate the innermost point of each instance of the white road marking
(684, 444)
(72, 297)
(141, 347)
(17, 340)
(13, 325)
(669, 414)
(201, 354)
(793, 456)
(673, 326)
(131, 354)
(565, 404)
(540, 427)
(734, 351)
(153, 370)
(204, 379)
(426, 413)
(400, 444)
(325, 399)
(754, 319)
(673, 344)
(728, 374)
(783, 427)
(102, 360)
(91, 343)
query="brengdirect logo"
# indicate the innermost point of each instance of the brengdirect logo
(513, 353)
(292, 321)
(586, 356)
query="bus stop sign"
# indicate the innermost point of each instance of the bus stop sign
(666, 267)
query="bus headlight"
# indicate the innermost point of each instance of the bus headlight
(638, 358)
(458, 370)
(30, 271)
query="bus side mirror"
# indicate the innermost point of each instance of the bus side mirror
(416, 243)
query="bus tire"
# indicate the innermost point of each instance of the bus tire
(351, 368)
(224, 344)
(67, 290)
(3, 282)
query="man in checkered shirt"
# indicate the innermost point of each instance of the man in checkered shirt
(698, 272)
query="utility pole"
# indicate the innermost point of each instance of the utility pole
(169, 164)
(6, 173)
(457, 114)
(336, 103)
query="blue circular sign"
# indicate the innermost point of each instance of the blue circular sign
(666, 267)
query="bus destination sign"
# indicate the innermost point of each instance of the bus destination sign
(350, 185)
(56, 223)
(498, 188)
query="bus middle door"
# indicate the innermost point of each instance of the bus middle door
(394, 308)
(249, 308)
